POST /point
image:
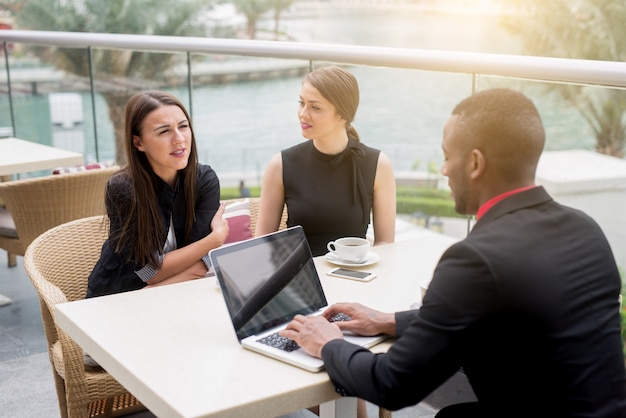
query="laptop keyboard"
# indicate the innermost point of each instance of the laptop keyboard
(340, 317)
(287, 344)
(282, 343)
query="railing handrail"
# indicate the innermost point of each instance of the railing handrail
(561, 70)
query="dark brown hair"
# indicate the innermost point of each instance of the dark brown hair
(143, 231)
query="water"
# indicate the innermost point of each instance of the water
(243, 125)
(402, 112)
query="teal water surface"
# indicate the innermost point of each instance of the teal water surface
(239, 126)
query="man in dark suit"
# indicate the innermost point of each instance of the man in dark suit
(527, 304)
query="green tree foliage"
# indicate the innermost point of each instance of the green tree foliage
(409, 199)
(279, 6)
(582, 29)
(253, 10)
(117, 70)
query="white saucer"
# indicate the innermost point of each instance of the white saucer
(369, 260)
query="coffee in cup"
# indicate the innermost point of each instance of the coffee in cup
(350, 249)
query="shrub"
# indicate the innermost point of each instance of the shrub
(426, 192)
(432, 202)
(429, 201)
(233, 192)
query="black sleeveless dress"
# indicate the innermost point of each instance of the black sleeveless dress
(330, 196)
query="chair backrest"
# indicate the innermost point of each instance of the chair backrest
(58, 263)
(253, 208)
(40, 203)
(63, 257)
(254, 214)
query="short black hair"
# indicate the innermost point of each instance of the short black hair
(505, 124)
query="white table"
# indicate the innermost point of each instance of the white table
(175, 349)
(21, 156)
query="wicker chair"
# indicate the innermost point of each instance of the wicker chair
(254, 203)
(35, 205)
(254, 214)
(58, 263)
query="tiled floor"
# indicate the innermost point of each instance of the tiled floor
(26, 385)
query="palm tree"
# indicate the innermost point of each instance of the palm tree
(253, 10)
(279, 6)
(584, 29)
(118, 70)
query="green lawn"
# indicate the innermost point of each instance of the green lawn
(429, 201)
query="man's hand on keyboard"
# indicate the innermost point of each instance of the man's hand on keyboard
(363, 320)
(312, 333)
(340, 317)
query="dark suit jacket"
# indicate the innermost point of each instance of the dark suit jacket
(527, 305)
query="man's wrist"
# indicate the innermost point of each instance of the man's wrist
(387, 324)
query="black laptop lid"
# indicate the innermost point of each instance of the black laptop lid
(267, 280)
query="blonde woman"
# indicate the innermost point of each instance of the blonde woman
(332, 183)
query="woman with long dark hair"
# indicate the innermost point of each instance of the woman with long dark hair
(163, 206)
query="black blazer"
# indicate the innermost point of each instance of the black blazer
(527, 305)
(113, 273)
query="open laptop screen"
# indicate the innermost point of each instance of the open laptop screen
(267, 280)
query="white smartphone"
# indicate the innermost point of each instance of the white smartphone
(344, 273)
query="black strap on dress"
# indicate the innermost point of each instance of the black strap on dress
(355, 153)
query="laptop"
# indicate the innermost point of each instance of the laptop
(266, 281)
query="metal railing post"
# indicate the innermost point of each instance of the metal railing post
(9, 89)
(189, 84)
(93, 101)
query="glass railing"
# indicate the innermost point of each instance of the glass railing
(243, 96)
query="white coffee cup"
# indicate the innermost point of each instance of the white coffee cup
(350, 249)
